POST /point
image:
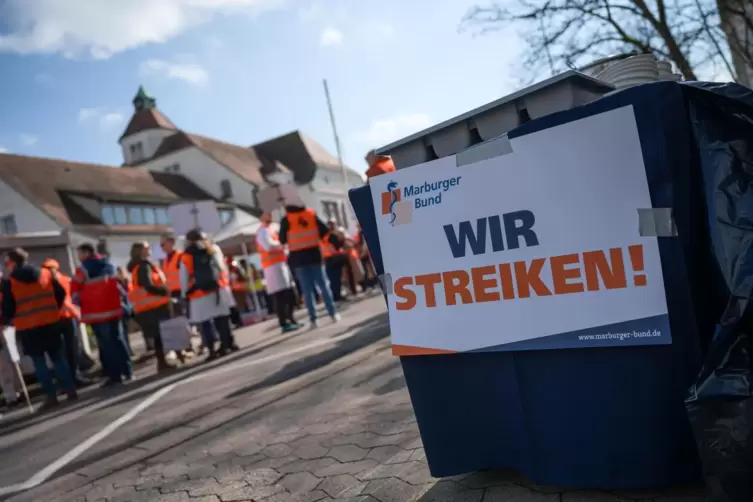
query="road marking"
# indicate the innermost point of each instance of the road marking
(66, 459)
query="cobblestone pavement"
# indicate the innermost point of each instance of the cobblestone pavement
(349, 437)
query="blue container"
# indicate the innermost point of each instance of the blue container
(607, 418)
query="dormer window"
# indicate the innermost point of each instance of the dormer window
(226, 189)
(137, 152)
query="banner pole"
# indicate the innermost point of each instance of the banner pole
(20, 376)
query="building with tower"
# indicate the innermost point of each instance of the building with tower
(49, 206)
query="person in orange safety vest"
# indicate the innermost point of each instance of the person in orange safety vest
(277, 275)
(378, 164)
(102, 299)
(334, 259)
(69, 318)
(301, 230)
(150, 297)
(170, 266)
(32, 300)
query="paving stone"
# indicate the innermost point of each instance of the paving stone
(107, 491)
(418, 455)
(592, 496)
(450, 491)
(416, 473)
(341, 486)
(348, 453)
(319, 428)
(308, 465)
(389, 471)
(247, 460)
(390, 454)
(218, 488)
(173, 497)
(390, 428)
(277, 450)
(393, 490)
(262, 477)
(314, 496)
(300, 482)
(209, 498)
(312, 451)
(251, 493)
(346, 468)
(273, 463)
(413, 443)
(185, 485)
(142, 496)
(518, 494)
(496, 477)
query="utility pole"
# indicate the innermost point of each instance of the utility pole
(346, 185)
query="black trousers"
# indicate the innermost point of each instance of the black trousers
(71, 344)
(284, 304)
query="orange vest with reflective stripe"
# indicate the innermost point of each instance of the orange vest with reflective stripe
(35, 302)
(140, 298)
(328, 250)
(99, 297)
(171, 269)
(69, 310)
(222, 280)
(273, 256)
(303, 230)
(236, 282)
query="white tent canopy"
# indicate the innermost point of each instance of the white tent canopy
(238, 234)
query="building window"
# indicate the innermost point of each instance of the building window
(344, 212)
(150, 216)
(225, 216)
(332, 210)
(175, 168)
(135, 216)
(162, 217)
(108, 215)
(121, 217)
(226, 189)
(137, 152)
(8, 225)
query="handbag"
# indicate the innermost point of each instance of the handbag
(175, 331)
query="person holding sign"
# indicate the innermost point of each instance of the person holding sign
(32, 300)
(277, 274)
(303, 231)
(150, 297)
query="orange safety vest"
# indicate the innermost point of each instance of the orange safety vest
(99, 297)
(273, 256)
(237, 283)
(171, 269)
(222, 280)
(69, 310)
(328, 250)
(140, 298)
(35, 302)
(303, 230)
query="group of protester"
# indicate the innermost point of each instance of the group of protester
(45, 306)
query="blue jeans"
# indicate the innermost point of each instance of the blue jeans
(312, 277)
(113, 350)
(62, 372)
(208, 336)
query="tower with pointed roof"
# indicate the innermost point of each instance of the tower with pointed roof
(146, 129)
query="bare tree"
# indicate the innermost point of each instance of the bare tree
(736, 22)
(570, 33)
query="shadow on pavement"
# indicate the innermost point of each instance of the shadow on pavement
(358, 340)
(370, 334)
(112, 396)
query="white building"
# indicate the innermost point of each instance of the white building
(49, 206)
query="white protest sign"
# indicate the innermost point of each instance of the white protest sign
(274, 197)
(9, 333)
(187, 216)
(536, 249)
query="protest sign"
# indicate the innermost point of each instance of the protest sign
(536, 249)
(9, 334)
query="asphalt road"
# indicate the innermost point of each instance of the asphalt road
(314, 415)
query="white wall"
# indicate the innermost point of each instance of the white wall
(28, 217)
(150, 141)
(206, 173)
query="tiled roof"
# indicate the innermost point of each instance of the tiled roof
(300, 153)
(150, 118)
(247, 163)
(63, 189)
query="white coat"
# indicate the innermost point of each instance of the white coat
(207, 307)
(278, 276)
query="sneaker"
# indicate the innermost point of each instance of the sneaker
(72, 396)
(289, 327)
(312, 325)
(336, 318)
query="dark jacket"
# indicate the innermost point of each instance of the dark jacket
(304, 257)
(144, 279)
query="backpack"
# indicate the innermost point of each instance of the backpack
(206, 272)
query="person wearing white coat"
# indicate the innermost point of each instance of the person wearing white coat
(210, 311)
(277, 274)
